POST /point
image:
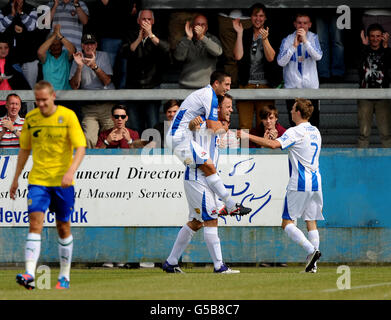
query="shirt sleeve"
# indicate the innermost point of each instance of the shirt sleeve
(104, 63)
(75, 132)
(288, 139)
(211, 104)
(25, 137)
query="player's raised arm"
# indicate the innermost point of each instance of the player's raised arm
(22, 159)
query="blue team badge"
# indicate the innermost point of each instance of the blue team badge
(284, 137)
(60, 119)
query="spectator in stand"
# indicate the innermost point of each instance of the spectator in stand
(169, 108)
(114, 13)
(198, 51)
(298, 55)
(147, 54)
(374, 66)
(91, 70)
(269, 128)
(380, 16)
(10, 77)
(331, 67)
(72, 15)
(56, 54)
(119, 136)
(118, 16)
(18, 23)
(227, 36)
(11, 124)
(255, 54)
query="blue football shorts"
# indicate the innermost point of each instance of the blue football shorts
(57, 199)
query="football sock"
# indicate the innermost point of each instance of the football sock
(313, 237)
(32, 251)
(182, 241)
(217, 186)
(298, 236)
(65, 248)
(212, 240)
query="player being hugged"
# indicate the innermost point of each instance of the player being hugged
(180, 140)
(304, 197)
(51, 132)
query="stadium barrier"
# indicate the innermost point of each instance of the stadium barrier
(356, 185)
(238, 94)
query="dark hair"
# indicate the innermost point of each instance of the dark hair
(257, 7)
(375, 27)
(169, 104)
(305, 107)
(13, 95)
(267, 110)
(221, 98)
(218, 76)
(119, 106)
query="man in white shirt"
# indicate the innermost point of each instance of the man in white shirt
(304, 191)
(298, 54)
(203, 202)
(203, 102)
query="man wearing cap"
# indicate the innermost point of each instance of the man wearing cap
(91, 70)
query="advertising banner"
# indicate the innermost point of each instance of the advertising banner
(136, 190)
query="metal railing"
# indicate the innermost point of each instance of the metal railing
(180, 94)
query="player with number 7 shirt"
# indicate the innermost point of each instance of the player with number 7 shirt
(304, 197)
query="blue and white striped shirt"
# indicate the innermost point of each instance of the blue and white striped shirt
(202, 102)
(299, 64)
(304, 144)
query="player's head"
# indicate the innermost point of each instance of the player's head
(269, 116)
(119, 115)
(220, 82)
(44, 97)
(225, 107)
(170, 108)
(302, 110)
(13, 105)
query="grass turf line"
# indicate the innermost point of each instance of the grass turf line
(202, 284)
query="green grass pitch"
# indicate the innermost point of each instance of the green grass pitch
(201, 283)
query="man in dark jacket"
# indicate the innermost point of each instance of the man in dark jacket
(146, 56)
(255, 55)
(374, 65)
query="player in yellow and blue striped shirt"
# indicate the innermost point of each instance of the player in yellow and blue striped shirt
(51, 132)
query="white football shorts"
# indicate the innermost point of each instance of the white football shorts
(307, 205)
(204, 205)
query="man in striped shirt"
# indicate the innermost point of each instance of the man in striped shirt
(11, 124)
(298, 55)
(304, 197)
(72, 15)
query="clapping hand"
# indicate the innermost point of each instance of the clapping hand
(200, 32)
(78, 57)
(264, 33)
(90, 62)
(188, 30)
(364, 38)
(385, 38)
